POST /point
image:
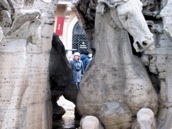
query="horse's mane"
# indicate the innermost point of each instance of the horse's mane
(112, 3)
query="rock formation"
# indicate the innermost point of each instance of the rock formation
(25, 41)
(121, 78)
(118, 84)
(90, 122)
(116, 77)
(159, 63)
(145, 119)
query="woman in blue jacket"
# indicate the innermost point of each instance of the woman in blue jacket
(77, 67)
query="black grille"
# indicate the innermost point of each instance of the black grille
(79, 39)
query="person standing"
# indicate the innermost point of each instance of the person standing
(85, 58)
(77, 68)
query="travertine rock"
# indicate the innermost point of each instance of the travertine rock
(98, 80)
(1, 34)
(166, 16)
(149, 6)
(145, 119)
(125, 17)
(116, 86)
(90, 122)
(24, 55)
(159, 63)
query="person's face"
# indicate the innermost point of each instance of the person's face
(76, 57)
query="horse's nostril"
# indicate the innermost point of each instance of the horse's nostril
(144, 44)
(139, 46)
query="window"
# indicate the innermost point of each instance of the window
(79, 39)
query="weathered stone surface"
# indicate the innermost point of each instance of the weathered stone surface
(159, 63)
(149, 6)
(145, 119)
(90, 122)
(24, 87)
(117, 83)
(122, 81)
(166, 16)
(114, 69)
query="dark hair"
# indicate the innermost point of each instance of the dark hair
(85, 52)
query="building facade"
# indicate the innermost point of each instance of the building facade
(67, 27)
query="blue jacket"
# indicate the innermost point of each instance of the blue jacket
(78, 70)
(85, 60)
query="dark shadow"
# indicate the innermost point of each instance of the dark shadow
(60, 77)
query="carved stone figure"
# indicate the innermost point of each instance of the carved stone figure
(125, 17)
(159, 62)
(117, 83)
(149, 6)
(90, 122)
(25, 41)
(145, 119)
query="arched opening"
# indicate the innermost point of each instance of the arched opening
(79, 39)
(67, 121)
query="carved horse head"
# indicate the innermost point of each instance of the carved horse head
(127, 14)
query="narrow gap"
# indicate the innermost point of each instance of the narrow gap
(68, 120)
(61, 83)
(71, 38)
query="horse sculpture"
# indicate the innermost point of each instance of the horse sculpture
(116, 85)
(126, 17)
